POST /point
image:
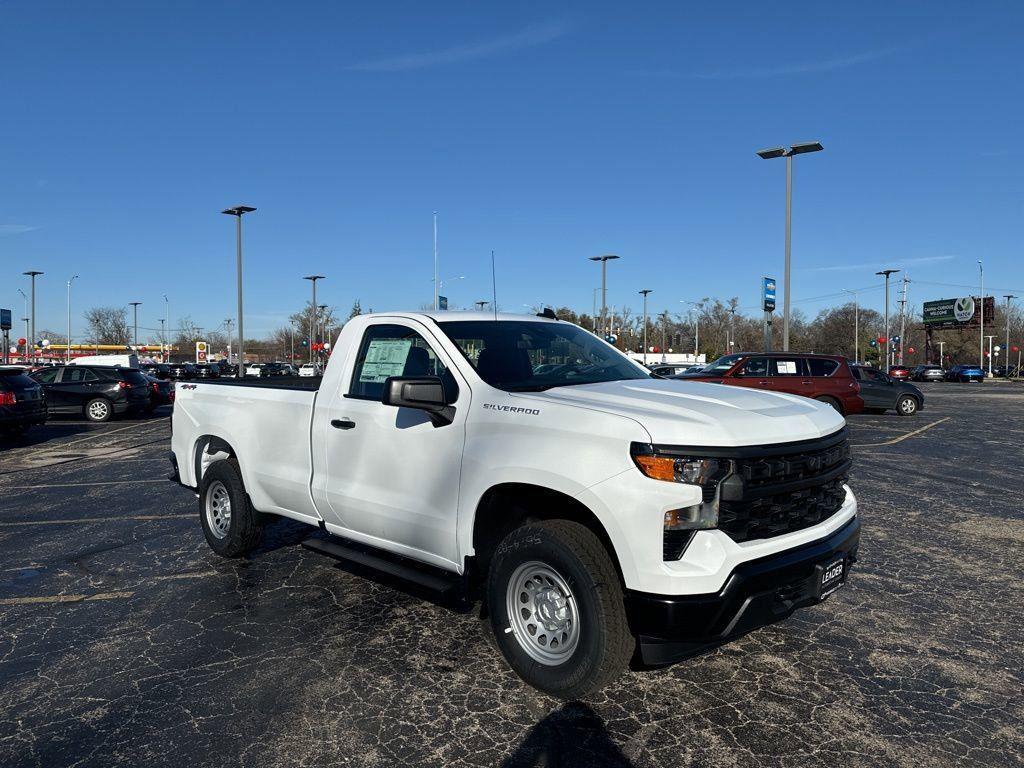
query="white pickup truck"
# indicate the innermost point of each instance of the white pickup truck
(598, 513)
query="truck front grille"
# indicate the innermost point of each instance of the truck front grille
(776, 490)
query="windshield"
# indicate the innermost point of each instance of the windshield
(533, 356)
(722, 364)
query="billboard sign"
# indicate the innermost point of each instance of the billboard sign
(962, 312)
(201, 351)
(5, 319)
(768, 293)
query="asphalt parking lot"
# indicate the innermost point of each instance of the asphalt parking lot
(124, 641)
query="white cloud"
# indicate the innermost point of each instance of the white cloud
(15, 229)
(833, 63)
(531, 36)
(875, 264)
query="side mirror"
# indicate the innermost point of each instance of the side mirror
(424, 393)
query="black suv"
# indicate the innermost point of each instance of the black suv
(94, 391)
(183, 371)
(207, 371)
(22, 402)
(159, 370)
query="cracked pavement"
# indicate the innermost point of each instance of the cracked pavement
(124, 641)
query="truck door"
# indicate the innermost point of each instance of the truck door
(391, 478)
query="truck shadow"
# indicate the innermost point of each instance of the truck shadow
(568, 737)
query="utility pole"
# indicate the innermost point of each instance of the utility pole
(644, 293)
(238, 212)
(903, 315)
(32, 328)
(888, 344)
(856, 325)
(1009, 297)
(604, 289)
(981, 325)
(312, 312)
(135, 323)
(67, 356)
(788, 152)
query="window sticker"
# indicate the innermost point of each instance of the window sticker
(384, 358)
(786, 366)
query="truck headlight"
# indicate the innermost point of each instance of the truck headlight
(675, 467)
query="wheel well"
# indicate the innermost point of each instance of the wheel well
(205, 447)
(508, 506)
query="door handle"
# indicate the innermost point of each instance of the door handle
(806, 381)
(343, 423)
(763, 382)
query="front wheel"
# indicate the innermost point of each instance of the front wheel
(231, 526)
(830, 401)
(557, 610)
(98, 410)
(906, 405)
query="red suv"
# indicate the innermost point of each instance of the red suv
(824, 377)
(899, 372)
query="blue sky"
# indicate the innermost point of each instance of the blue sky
(548, 132)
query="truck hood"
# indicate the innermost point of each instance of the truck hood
(697, 413)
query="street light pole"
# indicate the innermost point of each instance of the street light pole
(135, 322)
(437, 285)
(856, 325)
(167, 318)
(238, 212)
(322, 316)
(886, 273)
(788, 153)
(312, 313)
(644, 293)
(981, 326)
(604, 289)
(67, 356)
(163, 340)
(227, 324)
(1009, 297)
(32, 327)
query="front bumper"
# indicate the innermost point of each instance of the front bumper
(757, 593)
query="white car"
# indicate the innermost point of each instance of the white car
(253, 369)
(595, 510)
(310, 369)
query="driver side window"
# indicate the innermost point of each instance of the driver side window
(395, 350)
(756, 366)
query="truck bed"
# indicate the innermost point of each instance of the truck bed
(309, 383)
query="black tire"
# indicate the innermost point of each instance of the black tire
(907, 405)
(830, 401)
(98, 410)
(241, 534)
(603, 644)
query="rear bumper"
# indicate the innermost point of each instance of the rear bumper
(757, 593)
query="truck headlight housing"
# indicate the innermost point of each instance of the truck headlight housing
(676, 466)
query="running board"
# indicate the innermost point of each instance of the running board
(434, 579)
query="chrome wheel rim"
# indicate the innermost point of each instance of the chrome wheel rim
(542, 613)
(908, 405)
(98, 410)
(218, 509)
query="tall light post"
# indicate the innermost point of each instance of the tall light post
(981, 325)
(238, 212)
(227, 325)
(604, 289)
(135, 322)
(989, 337)
(788, 153)
(312, 312)
(163, 340)
(167, 318)
(322, 317)
(24, 317)
(942, 345)
(437, 285)
(67, 356)
(886, 273)
(856, 324)
(696, 326)
(32, 322)
(1009, 297)
(644, 293)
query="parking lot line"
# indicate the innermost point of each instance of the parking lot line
(100, 433)
(79, 520)
(65, 598)
(901, 438)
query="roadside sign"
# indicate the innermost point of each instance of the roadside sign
(956, 313)
(5, 319)
(201, 350)
(768, 293)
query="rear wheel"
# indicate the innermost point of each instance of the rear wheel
(906, 405)
(830, 401)
(557, 610)
(231, 526)
(99, 410)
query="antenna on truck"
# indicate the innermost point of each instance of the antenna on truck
(494, 288)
